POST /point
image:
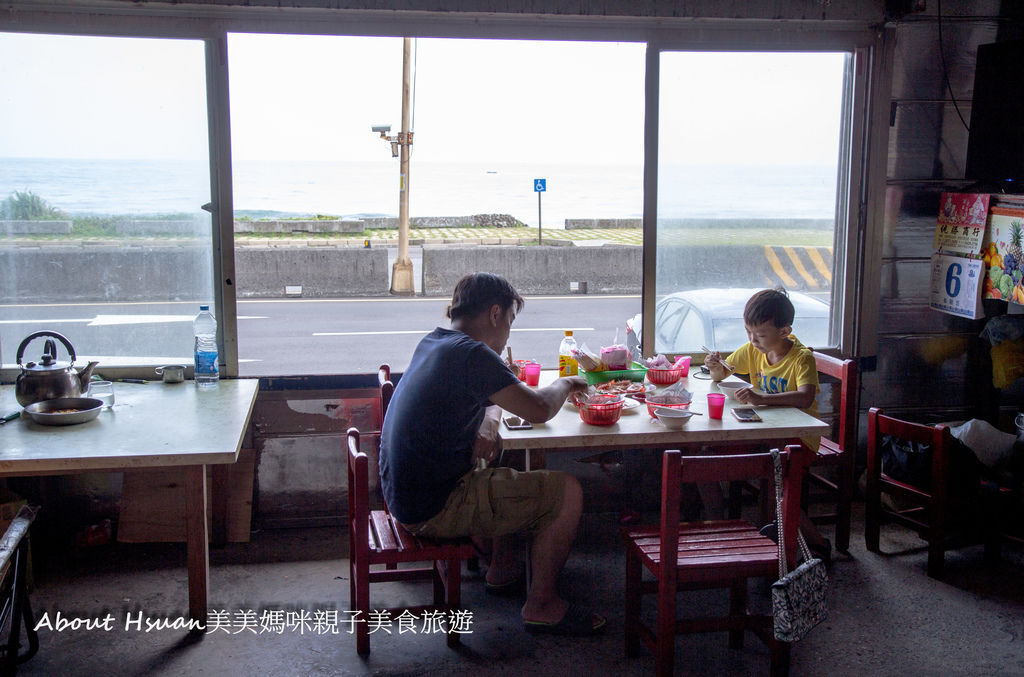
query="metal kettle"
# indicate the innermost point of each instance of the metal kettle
(49, 378)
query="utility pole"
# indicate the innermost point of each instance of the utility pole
(401, 272)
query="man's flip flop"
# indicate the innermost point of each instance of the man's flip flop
(514, 588)
(578, 621)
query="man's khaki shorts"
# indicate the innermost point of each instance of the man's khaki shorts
(493, 502)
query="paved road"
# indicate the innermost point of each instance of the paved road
(303, 336)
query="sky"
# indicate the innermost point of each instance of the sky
(316, 98)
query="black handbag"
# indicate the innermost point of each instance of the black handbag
(798, 597)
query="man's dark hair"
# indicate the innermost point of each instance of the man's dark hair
(477, 292)
(769, 305)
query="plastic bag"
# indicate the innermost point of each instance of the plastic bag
(616, 356)
(588, 359)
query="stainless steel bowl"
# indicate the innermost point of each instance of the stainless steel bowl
(54, 412)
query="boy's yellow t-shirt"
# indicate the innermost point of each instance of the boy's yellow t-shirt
(797, 368)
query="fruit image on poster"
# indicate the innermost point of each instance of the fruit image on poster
(1001, 253)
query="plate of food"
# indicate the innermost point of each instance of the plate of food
(624, 387)
(64, 410)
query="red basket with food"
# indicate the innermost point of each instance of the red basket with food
(662, 371)
(601, 409)
(664, 377)
(666, 400)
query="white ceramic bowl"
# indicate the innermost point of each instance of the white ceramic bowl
(730, 388)
(673, 419)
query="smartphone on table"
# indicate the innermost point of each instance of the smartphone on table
(746, 415)
(516, 423)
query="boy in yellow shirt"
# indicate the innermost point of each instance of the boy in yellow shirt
(777, 363)
(781, 368)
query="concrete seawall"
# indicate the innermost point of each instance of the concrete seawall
(96, 273)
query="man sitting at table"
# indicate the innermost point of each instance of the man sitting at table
(440, 431)
(781, 368)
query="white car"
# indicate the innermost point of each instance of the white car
(687, 320)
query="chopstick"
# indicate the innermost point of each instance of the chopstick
(724, 363)
(695, 413)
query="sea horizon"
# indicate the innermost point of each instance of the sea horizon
(437, 189)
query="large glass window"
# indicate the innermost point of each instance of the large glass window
(103, 172)
(748, 191)
(488, 117)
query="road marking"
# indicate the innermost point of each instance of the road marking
(776, 265)
(108, 320)
(424, 332)
(819, 263)
(436, 299)
(56, 321)
(799, 265)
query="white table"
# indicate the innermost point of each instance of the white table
(636, 429)
(153, 425)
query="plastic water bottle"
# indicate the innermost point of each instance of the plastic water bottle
(567, 365)
(205, 328)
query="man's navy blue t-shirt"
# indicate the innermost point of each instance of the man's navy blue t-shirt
(427, 438)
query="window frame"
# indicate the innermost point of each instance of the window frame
(862, 155)
(857, 267)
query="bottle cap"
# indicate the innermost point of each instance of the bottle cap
(204, 307)
(568, 332)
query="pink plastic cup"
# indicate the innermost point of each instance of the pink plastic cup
(716, 404)
(684, 365)
(532, 371)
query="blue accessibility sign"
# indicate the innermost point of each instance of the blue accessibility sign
(540, 185)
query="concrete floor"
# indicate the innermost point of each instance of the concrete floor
(887, 616)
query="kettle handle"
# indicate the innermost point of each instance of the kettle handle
(38, 334)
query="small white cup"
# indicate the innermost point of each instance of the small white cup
(172, 373)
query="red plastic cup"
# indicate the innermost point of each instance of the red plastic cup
(716, 405)
(532, 372)
(522, 368)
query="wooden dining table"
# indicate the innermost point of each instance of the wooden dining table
(636, 429)
(151, 425)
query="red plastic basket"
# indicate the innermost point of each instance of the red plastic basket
(601, 409)
(669, 401)
(664, 377)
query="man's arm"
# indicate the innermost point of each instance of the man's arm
(486, 444)
(538, 405)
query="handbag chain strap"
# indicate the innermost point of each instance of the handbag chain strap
(779, 531)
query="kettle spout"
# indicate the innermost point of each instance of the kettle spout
(86, 374)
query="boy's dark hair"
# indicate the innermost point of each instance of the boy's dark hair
(769, 305)
(477, 292)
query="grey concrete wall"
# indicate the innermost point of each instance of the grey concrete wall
(301, 226)
(471, 221)
(169, 273)
(162, 227)
(263, 272)
(35, 227)
(576, 224)
(97, 273)
(174, 273)
(611, 269)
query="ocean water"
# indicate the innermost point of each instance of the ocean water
(436, 189)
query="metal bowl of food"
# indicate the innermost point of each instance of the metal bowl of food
(64, 410)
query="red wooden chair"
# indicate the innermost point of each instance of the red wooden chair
(387, 389)
(716, 554)
(375, 538)
(928, 509)
(840, 451)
